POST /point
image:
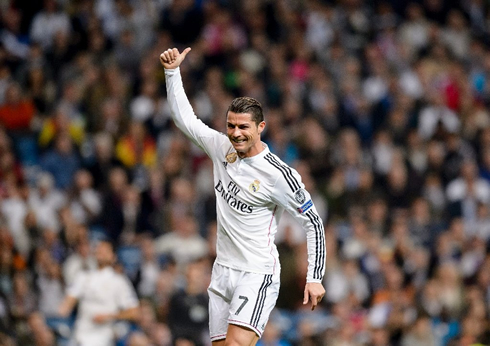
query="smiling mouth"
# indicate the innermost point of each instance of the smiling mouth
(238, 141)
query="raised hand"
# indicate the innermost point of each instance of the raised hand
(172, 58)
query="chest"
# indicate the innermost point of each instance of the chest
(243, 182)
(100, 289)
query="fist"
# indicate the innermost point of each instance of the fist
(172, 58)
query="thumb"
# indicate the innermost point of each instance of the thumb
(184, 53)
(305, 297)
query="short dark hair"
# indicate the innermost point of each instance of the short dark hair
(247, 105)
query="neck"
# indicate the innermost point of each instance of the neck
(255, 150)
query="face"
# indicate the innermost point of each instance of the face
(244, 134)
(104, 254)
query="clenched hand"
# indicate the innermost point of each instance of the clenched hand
(172, 58)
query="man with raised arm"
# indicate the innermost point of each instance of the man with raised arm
(253, 187)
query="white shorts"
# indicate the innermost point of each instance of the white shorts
(240, 298)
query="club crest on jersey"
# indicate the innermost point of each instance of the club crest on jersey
(300, 196)
(255, 186)
(231, 157)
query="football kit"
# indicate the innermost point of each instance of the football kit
(102, 291)
(251, 195)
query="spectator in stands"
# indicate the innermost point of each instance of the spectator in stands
(383, 104)
(51, 288)
(149, 269)
(18, 111)
(39, 332)
(46, 202)
(22, 300)
(85, 201)
(14, 210)
(188, 310)
(112, 217)
(62, 161)
(59, 123)
(136, 147)
(47, 23)
(183, 243)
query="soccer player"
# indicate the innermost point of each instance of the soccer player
(253, 187)
(105, 297)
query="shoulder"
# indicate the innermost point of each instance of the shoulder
(283, 175)
(79, 281)
(224, 148)
(119, 279)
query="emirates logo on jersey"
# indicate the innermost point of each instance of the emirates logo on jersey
(231, 157)
(229, 194)
(254, 187)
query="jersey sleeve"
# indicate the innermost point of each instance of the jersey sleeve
(126, 296)
(289, 192)
(184, 117)
(75, 289)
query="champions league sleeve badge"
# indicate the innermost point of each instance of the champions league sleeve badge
(300, 196)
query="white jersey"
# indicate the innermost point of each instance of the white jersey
(101, 291)
(251, 195)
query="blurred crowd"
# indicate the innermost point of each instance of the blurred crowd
(382, 106)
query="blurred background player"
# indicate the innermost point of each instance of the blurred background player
(104, 297)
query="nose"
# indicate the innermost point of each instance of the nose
(236, 132)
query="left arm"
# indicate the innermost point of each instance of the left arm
(131, 314)
(291, 194)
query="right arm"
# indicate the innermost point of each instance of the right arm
(67, 306)
(181, 109)
(73, 294)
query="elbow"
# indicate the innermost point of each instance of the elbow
(135, 314)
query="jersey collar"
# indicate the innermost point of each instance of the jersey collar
(258, 156)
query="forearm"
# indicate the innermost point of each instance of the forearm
(183, 115)
(66, 307)
(289, 192)
(315, 240)
(127, 315)
(180, 107)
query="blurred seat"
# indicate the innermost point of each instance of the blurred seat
(130, 258)
(62, 327)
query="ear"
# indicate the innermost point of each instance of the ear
(261, 127)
